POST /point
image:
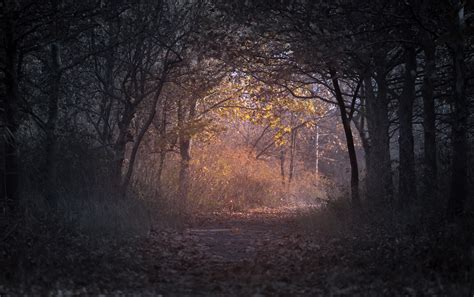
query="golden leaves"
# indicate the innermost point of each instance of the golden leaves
(242, 98)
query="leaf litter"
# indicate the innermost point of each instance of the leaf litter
(260, 253)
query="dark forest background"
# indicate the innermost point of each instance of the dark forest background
(95, 93)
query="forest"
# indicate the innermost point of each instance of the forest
(236, 148)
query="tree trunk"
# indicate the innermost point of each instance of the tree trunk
(360, 124)
(120, 145)
(184, 152)
(107, 104)
(374, 181)
(51, 145)
(141, 134)
(407, 175)
(379, 171)
(183, 186)
(51, 142)
(117, 165)
(458, 194)
(10, 175)
(163, 146)
(107, 97)
(350, 142)
(316, 163)
(282, 166)
(429, 123)
(161, 165)
(291, 170)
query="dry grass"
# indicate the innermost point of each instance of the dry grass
(100, 214)
(230, 178)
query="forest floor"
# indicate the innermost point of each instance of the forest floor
(257, 253)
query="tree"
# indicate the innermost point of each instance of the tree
(460, 147)
(10, 64)
(407, 175)
(22, 28)
(350, 141)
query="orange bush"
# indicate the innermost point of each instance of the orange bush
(229, 177)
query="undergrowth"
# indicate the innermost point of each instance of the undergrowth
(399, 244)
(231, 179)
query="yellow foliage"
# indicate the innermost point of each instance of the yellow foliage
(260, 104)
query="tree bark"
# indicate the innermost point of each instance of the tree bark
(10, 175)
(349, 140)
(141, 134)
(407, 175)
(379, 171)
(360, 124)
(163, 146)
(291, 170)
(429, 123)
(51, 145)
(282, 166)
(184, 140)
(106, 133)
(161, 165)
(120, 145)
(183, 186)
(458, 194)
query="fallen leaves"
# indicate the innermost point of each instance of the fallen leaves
(242, 254)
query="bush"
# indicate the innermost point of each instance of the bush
(230, 178)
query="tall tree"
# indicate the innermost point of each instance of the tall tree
(429, 120)
(10, 64)
(461, 109)
(407, 174)
(349, 140)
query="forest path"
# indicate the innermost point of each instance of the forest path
(256, 254)
(238, 236)
(240, 254)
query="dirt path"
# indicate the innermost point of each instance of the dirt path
(238, 236)
(259, 253)
(265, 254)
(237, 255)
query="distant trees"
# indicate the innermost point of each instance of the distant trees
(23, 31)
(193, 86)
(10, 63)
(87, 70)
(139, 49)
(457, 27)
(407, 176)
(106, 78)
(410, 57)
